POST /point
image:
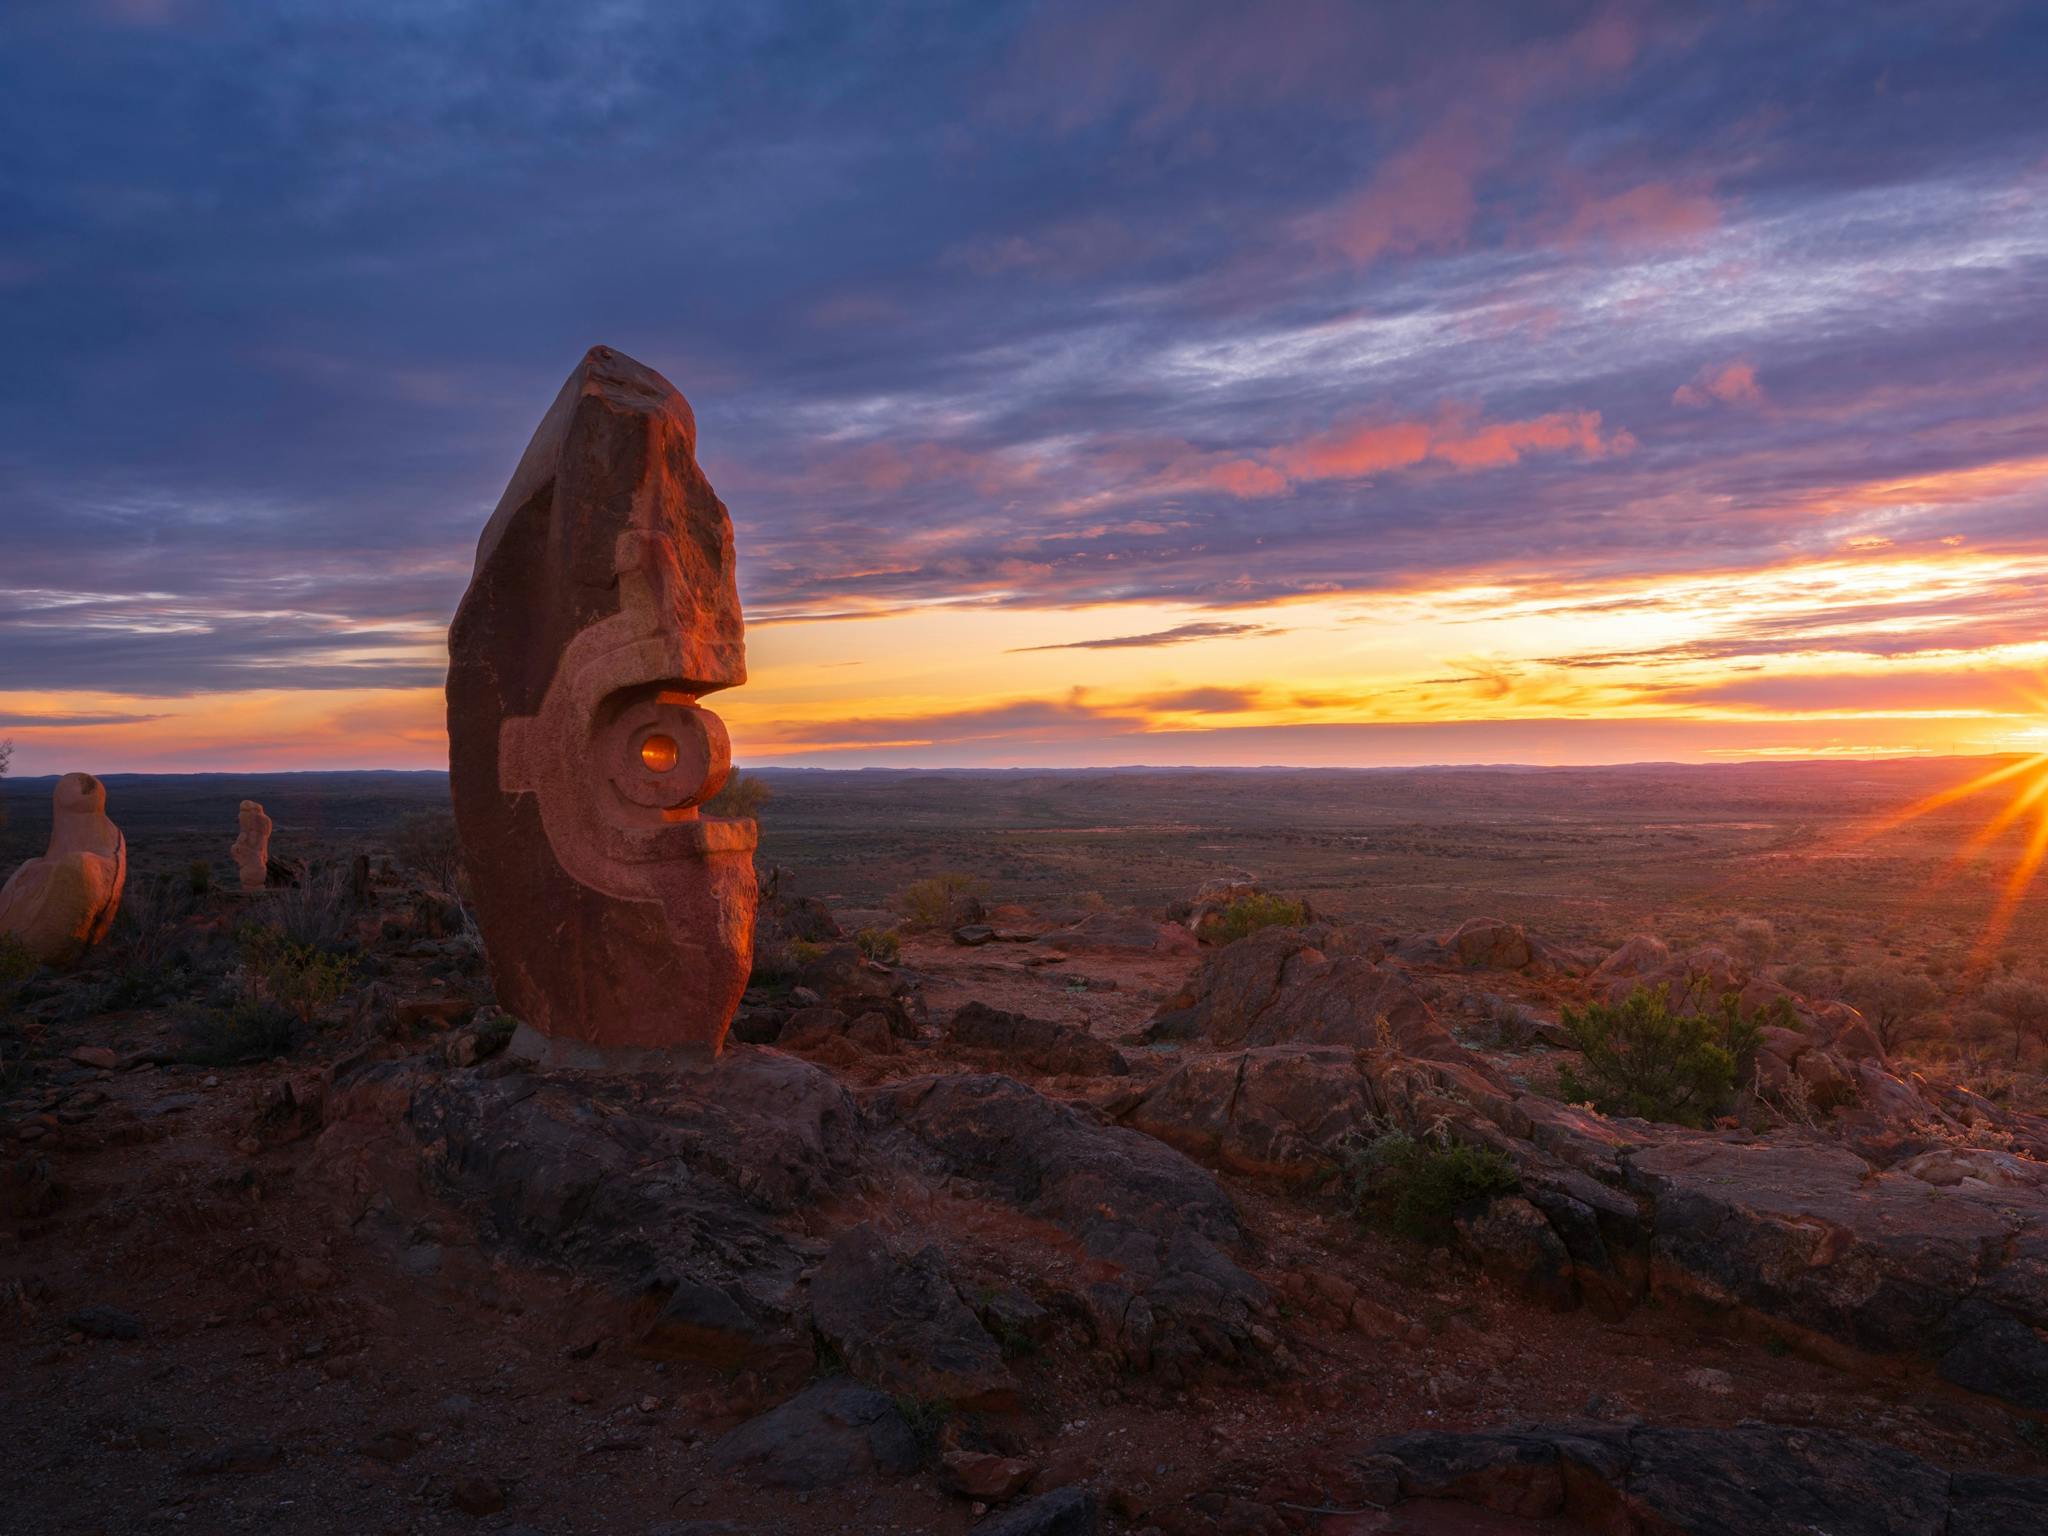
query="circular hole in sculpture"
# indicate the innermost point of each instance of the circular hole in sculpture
(659, 753)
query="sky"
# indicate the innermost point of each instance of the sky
(1091, 383)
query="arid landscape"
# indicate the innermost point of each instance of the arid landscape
(1017, 1206)
(1033, 768)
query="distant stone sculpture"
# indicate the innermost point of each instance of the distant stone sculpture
(252, 847)
(617, 918)
(65, 901)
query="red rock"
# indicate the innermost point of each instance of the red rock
(65, 901)
(602, 608)
(1488, 942)
(96, 1056)
(980, 1475)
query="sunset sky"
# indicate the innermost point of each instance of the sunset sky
(1090, 383)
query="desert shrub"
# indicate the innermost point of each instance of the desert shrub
(16, 966)
(147, 955)
(300, 979)
(315, 913)
(2021, 1004)
(939, 901)
(1754, 939)
(1417, 1186)
(739, 798)
(199, 877)
(777, 963)
(1646, 1058)
(927, 1420)
(425, 842)
(1891, 999)
(879, 944)
(249, 1029)
(1248, 914)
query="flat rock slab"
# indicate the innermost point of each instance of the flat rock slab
(1808, 1232)
(829, 1433)
(1759, 1480)
(706, 1199)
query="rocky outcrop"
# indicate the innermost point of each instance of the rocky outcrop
(1144, 1214)
(703, 1201)
(1275, 987)
(1756, 1479)
(1025, 1044)
(1807, 1233)
(1943, 1258)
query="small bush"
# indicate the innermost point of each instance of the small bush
(1248, 914)
(879, 944)
(250, 1030)
(1645, 1059)
(927, 1420)
(199, 877)
(740, 798)
(16, 966)
(776, 964)
(425, 843)
(315, 913)
(940, 901)
(299, 979)
(1417, 1187)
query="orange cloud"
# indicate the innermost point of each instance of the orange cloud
(1351, 452)
(1731, 384)
(1653, 213)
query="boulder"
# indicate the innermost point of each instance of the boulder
(63, 903)
(830, 1433)
(1273, 987)
(1490, 943)
(1278, 1111)
(1638, 956)
(1034, 1045)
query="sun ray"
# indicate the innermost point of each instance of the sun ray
(2017, 885)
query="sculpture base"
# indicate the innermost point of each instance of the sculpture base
(529, 1044)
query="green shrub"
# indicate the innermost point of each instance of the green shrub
(776, 964)
(879, 944)
(1643, 1058)
(1416, 1186)
(1248, 914)
(299, 979)
(250, 1030)
(16, 966)
(740, 798)
(199, 877)
(939, 901)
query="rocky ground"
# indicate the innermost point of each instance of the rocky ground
(1047, 1226)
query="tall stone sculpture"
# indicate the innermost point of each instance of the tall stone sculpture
(65, 901)
(618, 918)
(252, 847)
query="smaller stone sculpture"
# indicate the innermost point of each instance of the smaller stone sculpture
(65, 901)
(252, 847)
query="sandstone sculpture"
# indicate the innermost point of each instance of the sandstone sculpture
(65, 901)
(617, 917)
(252, 847)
